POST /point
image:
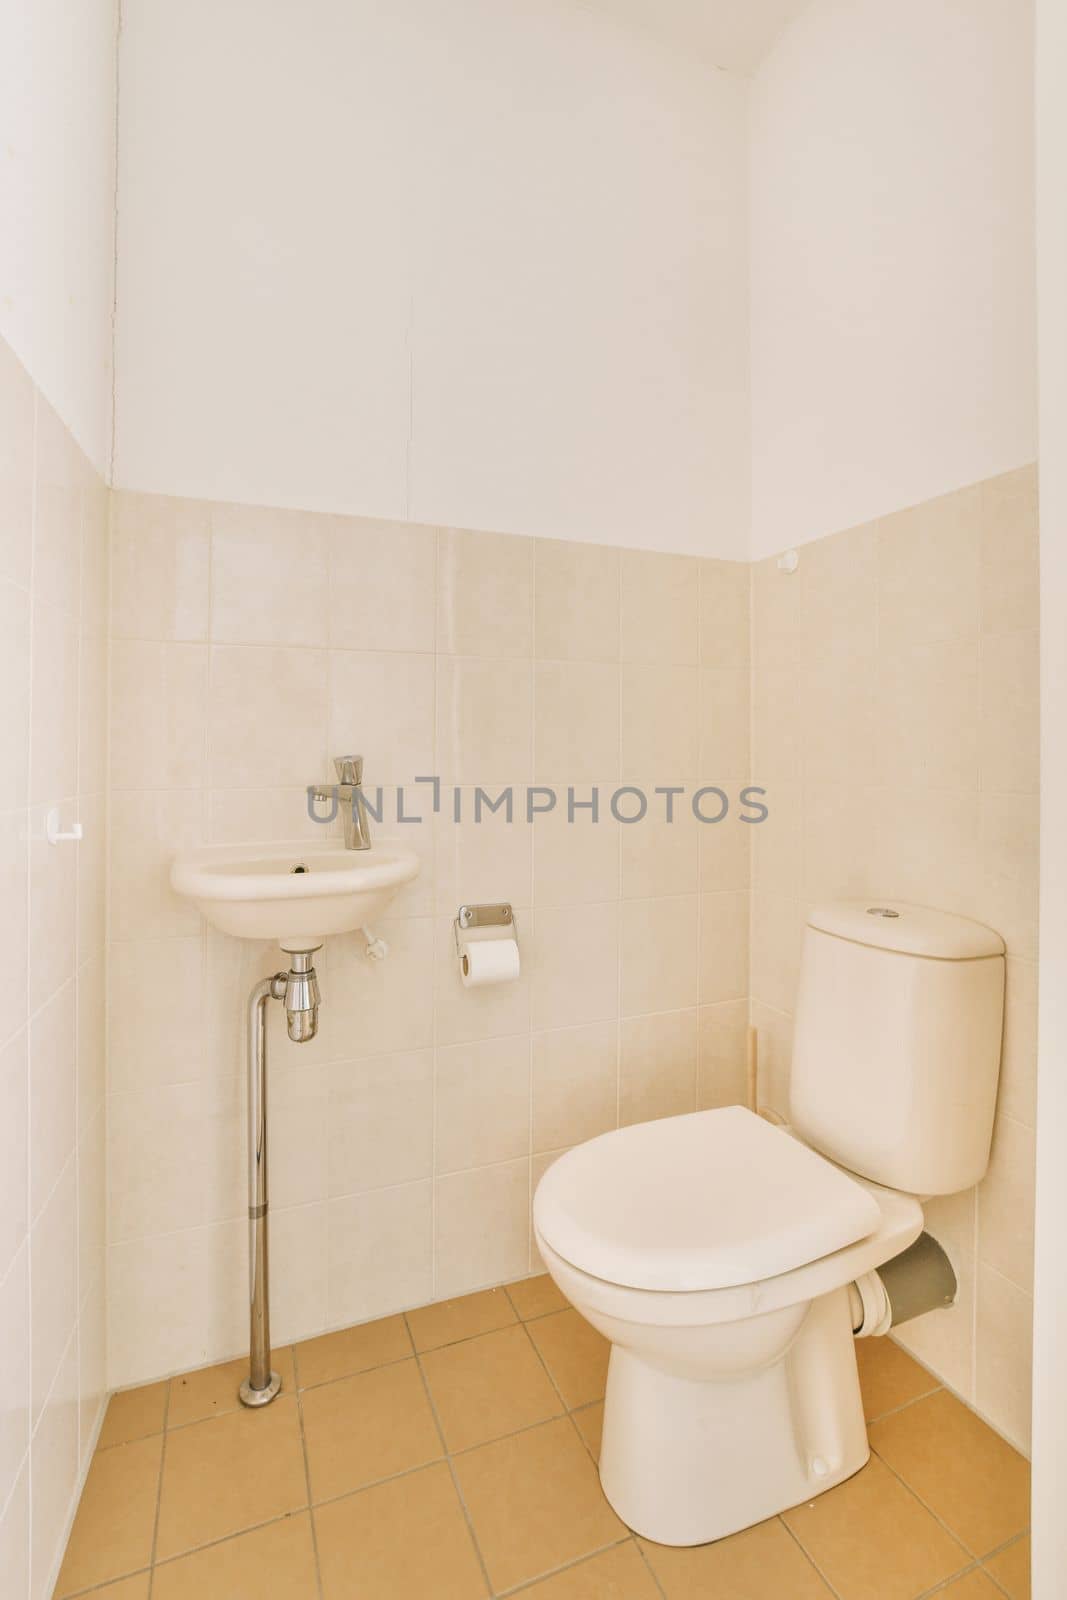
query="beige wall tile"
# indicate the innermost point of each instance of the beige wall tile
(382, 707)
(576, 722)
(381, 1247)
(484, 721)
(657, 1066)
(372, 1010)
(777, 938)
(836, 589)
(14, 1150)
(93, 691)
(482, 1227)
(724, 943)
(577, 862)
(722, 1054)
(171, 1154)
(485, 857)
(147, 828)
(54, 713)
(1006, 1204)
(777, 617)
(576, 601)
(1006, 508)
(725, 723)
(60, 478)
(659, 607)
(255, 690)
(53, 915)
(659, 948)
(158, 696)
(1005, 1315)
(155, 1033)
(483, 1103)
(574, 1084)
(838, 707)
(188, 1290)
(726, 846)
(1018, 1069)
(382, 585)
(660, 857)
(1010, 834)
(928, 714)
(777, 743)
(53, 1286)
(574, 964)
(484, 594)
(269, 576)
(53, 1117)
(660, 722)
(929, 561)
(928, 846)
(1010, 711)
(725, 591)
(160, 567)
(840, 859)
(380, 1121)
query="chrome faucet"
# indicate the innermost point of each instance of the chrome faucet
(348, 795)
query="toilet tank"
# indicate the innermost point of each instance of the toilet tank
(897, 1044)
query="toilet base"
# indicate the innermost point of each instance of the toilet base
(685, 1459)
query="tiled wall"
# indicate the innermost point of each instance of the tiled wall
(248, 647)
(53, 670)
(895, 722)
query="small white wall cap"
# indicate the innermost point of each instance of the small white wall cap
(907, 929)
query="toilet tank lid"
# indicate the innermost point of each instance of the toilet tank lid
(708, 1200)
(907, 929)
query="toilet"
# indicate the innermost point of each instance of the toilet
(725, 1258)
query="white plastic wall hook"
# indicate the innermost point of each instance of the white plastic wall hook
(52, 831)
(377, 948)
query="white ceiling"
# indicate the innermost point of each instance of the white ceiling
(733, 34)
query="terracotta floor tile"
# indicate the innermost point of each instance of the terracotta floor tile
(1011, 1568)
(873, 1539)
(489, 1386)
(278, 1560)
(889, 1377)
(575, 1354)
(125, 1589)
(404, 1540)
(112, 1532)
(340, 1355)
(974, 1586)
(590, 1420)
(449, 1320)
(536, 1297)
(133, 1414)
(975, 1482)
(762, 1563)
(535, 1502)
(368, 1427)
(616, 1574)
(228, 1474)
(212, 1391)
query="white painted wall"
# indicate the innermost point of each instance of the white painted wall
(1050, 1281)
(444, 260)
(57, 188)
(892, 260)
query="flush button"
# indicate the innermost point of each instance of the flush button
(881, 911)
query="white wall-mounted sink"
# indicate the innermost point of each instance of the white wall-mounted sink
(294, 893)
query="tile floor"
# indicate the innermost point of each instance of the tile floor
(449, 1455)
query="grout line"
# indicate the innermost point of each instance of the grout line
(159, 1494)
(953, 1535)
(810, 1558)
(298, 1393)
(461, 1497)
(653, 1574)
(904, 1405)
(529, 1584)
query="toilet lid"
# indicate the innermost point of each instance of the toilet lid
(706, 1201)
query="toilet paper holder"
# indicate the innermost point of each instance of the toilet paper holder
(490, 916)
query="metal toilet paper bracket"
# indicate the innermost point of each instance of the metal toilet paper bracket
(490, 916)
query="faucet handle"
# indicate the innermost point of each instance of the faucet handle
(349, 769)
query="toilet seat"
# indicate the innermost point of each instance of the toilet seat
(709, 1201)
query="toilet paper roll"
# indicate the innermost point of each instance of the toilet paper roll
(488, 961)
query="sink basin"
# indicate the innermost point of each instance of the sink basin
(294, 893)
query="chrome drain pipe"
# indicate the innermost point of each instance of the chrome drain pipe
(299, 989)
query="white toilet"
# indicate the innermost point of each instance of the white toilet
(724, 1258)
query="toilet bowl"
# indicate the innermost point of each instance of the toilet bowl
(715, 1251)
